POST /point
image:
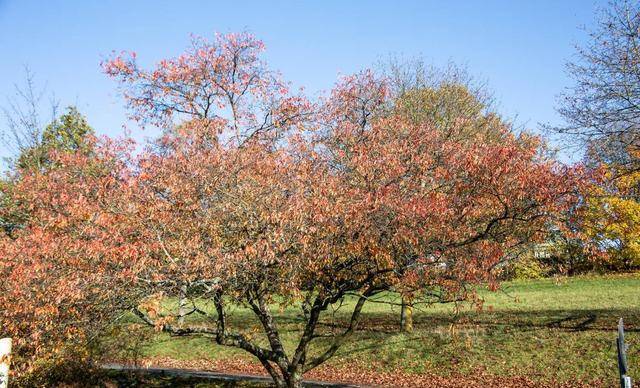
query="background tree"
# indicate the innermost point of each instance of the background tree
(31, 141)
(23, 125)
(449, 100)
(66, 268)
(611, 216)
(68, 133)
(602, 114)
(602, 107)
(50, 201)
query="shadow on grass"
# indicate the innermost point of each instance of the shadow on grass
(559, 319)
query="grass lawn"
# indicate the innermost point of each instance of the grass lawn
(548, 330)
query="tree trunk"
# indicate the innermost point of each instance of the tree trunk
(406, 316)
(183, 304)
(293, 380)
(288, 376)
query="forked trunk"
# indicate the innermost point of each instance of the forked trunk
(293, 381)
(287, 378)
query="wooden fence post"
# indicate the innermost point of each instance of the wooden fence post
(5, 360)
(625, 381)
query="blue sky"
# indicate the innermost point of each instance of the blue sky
(518, 47)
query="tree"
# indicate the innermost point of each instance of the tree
(611, 216)
(68, 133)
(450, 101)
(254, 197)
(53, 211)
(602, 107)
(64, 270)
(22, 113)
(308, 209)
(602, 114)
(31, 141)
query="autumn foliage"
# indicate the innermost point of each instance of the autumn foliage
(258, 197)
(610, 215)
(63, 265)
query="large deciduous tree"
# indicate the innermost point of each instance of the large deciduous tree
(255, 199)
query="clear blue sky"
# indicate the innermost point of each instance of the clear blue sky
(519, 47)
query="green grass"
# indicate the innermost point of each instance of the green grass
(549, 330)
